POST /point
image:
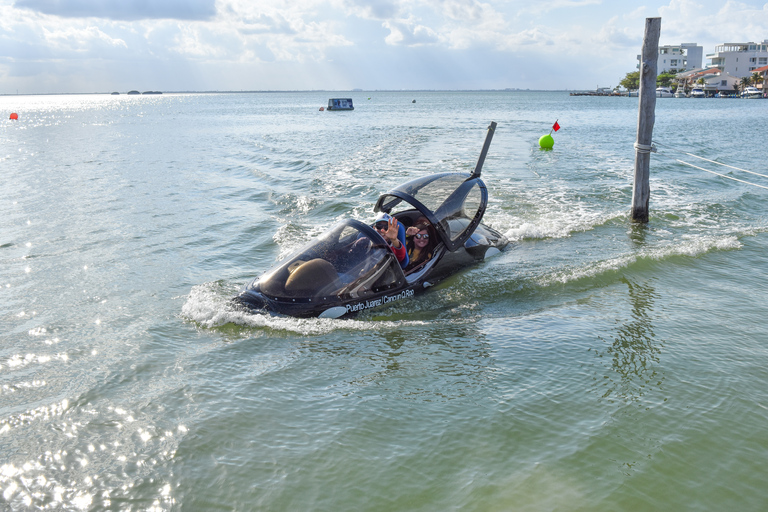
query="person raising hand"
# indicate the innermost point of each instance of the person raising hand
(394, 233)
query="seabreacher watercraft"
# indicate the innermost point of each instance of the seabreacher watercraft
(350, 268)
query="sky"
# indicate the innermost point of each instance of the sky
(77, 46)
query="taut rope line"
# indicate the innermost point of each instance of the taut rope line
(711, 161)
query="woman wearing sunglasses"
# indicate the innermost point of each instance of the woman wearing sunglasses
(421, 243)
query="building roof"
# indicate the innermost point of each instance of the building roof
(699, 73)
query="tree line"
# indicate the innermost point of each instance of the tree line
(632, 80)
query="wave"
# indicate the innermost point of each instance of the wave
(558, 225)
(690, 248)
(209, 306)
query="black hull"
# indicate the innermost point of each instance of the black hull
(445, 265)
(256, 301)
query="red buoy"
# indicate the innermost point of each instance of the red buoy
(14, 116)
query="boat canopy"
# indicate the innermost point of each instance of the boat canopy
(340, 104)
(349, 261)
(453, 202)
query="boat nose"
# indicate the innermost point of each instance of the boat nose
(252, 299)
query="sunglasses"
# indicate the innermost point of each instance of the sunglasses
(382, 224)
(420, 236)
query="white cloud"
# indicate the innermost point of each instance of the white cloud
(468, 11)
(308, 44)
(373, 9)
(197, 42)
(294, 31)
(409, 34)
(555, 5)
(708, 24)
(614, 34)
(78, 39)
(266, 24)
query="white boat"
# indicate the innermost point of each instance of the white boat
(698, 93)
(751, 93)
(664, 92)
(680, 92)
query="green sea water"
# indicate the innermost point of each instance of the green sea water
(596, 364)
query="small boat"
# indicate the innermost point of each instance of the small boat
(751, 93)
(340, 104)
(664, 92)
(680, 92)
(350, 268)
(698, 93)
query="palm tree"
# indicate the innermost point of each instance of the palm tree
(701, 82)
(757, 79)
(745, 82)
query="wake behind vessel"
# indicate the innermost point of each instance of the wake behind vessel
(350, 268)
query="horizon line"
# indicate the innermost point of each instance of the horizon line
(255, 91)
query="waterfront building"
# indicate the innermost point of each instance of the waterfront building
(740, 59)
(762, 72)
(711, 80)
(678, 58)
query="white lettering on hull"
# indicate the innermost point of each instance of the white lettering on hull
(385, 299)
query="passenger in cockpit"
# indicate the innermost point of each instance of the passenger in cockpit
(394, 233)
(421, 243)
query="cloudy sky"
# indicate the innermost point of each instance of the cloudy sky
(51, 46)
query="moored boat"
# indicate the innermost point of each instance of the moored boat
(751, 93)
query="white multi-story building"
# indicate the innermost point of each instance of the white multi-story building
(740, 59)
(678, 58)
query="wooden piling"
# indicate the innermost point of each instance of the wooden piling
(646, 116)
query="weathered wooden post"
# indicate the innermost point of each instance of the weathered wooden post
(641, 190)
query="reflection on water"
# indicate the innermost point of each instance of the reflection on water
(634, 351)
(637, 233)
(427, 361)
(89, 459)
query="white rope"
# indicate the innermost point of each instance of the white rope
(717, 173)
(644, 148)
(708, 160)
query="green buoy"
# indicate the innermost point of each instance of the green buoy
(546, 141)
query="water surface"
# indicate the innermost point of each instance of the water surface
(595, 365)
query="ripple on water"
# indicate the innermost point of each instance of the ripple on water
(62, 467)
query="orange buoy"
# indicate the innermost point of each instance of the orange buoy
(322, 108)
(14, 116)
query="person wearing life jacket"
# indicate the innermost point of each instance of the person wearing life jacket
(421, 243)
(394, 233)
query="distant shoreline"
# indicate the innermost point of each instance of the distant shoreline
(335, 91)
